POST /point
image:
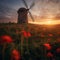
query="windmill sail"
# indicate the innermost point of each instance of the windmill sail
(32, 5)
(31, 16)
(25, 3)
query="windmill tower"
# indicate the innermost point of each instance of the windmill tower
(23, 13)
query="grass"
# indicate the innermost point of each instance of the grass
(40, 34)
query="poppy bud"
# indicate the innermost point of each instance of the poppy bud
(49, 54)
(58, 50)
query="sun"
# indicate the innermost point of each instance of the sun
(49, 22)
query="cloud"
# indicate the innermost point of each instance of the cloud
(57, 17)
(7, 13)
(54, 1)
(42, 8)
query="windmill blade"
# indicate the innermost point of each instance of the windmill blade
(31, 16)
(25, 3)
(32, 5)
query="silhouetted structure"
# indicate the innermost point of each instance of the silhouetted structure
(23, 12)
(22, 15)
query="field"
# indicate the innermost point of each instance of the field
(29, 40)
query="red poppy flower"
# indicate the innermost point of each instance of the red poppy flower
(15, 54)
(49, 54)
(50, 35)
(58, 50)
(47, 45)
(5, 39)
(26, 34)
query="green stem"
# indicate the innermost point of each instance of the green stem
(22, 40)
(3, 51)
(27, 45)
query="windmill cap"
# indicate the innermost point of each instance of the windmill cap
(22, 10)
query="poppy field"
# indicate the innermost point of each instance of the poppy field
(29, 42)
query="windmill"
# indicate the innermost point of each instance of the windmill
(23, 13)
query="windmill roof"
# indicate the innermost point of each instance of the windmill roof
(21, 9)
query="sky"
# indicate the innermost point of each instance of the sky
(43, 10)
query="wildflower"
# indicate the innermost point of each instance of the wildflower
(26, 34)
(58, 50)
(5, 39)
(15, 55)
(49, 54)
(50, 35)
(48, 47)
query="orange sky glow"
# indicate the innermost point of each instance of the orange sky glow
(47, 22)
